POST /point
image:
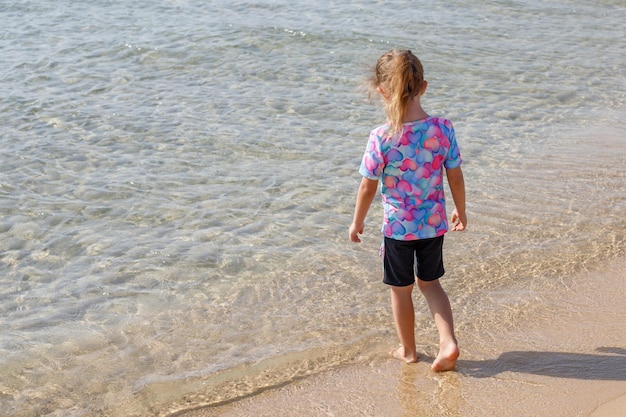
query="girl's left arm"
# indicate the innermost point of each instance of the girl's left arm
(457, 187)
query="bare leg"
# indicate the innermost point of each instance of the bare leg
(404, 317)
(442, 313)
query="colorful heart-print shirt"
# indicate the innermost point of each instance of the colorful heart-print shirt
(410, 166)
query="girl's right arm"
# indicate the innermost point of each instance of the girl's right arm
(457, 187)
(364, 198)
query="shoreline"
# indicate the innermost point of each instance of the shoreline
(567, 358)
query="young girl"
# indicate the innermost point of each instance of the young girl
(408, 155)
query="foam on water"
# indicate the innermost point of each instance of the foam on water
(177, 182)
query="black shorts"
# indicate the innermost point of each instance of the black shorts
(405, 260)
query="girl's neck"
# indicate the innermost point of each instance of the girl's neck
(415, 111)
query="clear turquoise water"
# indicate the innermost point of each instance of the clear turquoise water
(177, 179)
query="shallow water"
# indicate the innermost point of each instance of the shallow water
(178, 178)
(562, 358)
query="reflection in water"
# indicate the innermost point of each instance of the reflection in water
(436, 395)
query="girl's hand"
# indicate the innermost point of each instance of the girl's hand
(459, 220)
(355, 231)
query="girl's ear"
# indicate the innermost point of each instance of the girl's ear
(424, 87)
(382, 92)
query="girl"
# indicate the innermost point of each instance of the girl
(408, 155)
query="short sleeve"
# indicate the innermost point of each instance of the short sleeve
(373, 161)
(453, 157)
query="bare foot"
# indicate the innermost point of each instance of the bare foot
(405, 357)
(446, 359)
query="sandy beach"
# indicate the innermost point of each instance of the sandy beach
(567, 358)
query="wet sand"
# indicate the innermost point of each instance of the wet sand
(566, 357)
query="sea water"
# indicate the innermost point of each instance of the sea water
(177, 179)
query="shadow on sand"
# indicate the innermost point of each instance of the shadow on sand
(608, 365)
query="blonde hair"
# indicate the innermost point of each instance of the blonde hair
(401, 76)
